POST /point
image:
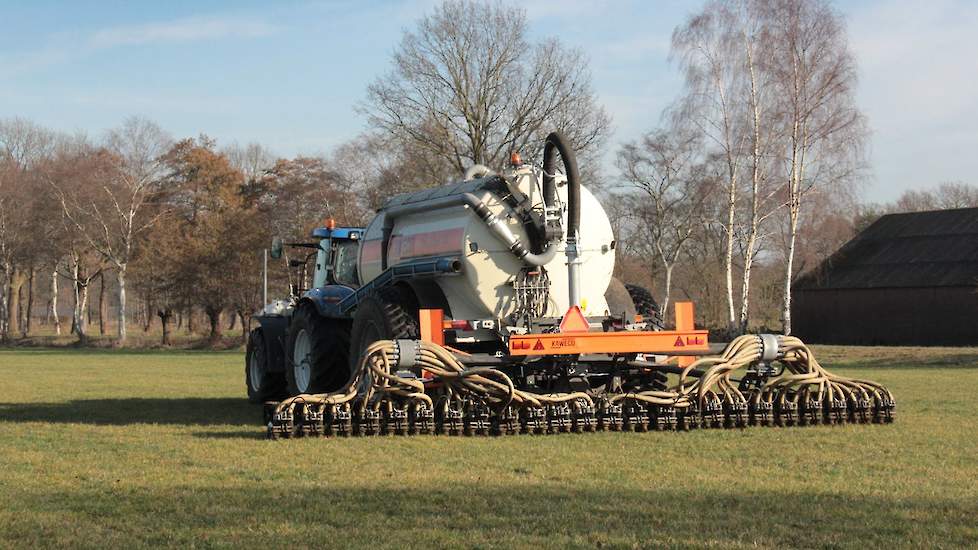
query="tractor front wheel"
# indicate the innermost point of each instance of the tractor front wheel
(262, 385)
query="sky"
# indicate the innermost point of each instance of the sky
(290, 74)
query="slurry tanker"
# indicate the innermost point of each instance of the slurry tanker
(488, 307)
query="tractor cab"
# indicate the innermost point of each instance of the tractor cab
(335, 252)
(336, 257)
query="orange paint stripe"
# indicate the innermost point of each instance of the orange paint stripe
(663, 342)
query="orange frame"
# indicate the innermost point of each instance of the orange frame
(685, 339)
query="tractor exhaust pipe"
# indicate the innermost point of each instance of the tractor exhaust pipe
(557, 141)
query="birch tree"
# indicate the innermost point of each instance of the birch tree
(117, 211)
(707, 55)
(815, 75)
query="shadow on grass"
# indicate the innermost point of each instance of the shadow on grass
(120, 412)
(376, 513)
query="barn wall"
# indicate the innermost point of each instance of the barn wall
(945, 316)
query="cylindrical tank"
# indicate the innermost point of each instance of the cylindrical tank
(435, 225)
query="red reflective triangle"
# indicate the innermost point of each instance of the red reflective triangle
(679, 342)
(538, 346)
(574, 321)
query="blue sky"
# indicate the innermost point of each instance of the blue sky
(289, 74)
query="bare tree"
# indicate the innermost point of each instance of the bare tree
(946, 195)
(252, 160)
(113, 215)
(761, 134)
(708, 54)
(23, 145)
(468, 86)
(672, 187)
(815, 75)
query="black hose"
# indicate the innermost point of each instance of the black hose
(557, 141)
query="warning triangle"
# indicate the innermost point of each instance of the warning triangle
(679, 342)
(574, 321)
(538, 346)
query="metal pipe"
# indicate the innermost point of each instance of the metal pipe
(497, 226)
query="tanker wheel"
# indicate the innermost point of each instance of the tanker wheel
(386, 315)
(262, 385)
(645, 305)
(318, 351)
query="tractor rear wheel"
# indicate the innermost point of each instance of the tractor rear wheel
(318, 350)
(386, 315)
(262, 385)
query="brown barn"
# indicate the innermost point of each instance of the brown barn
(908, 279)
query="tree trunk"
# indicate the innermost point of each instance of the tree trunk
(88, 306)
(667, 293)
(165, 315)
(147, 313)
(54, 301)
(121, 316)
(30, 303)
(745, 287)
(214, 316)
(78, 325)
(786, 309)
(101, 304)
(245, 325)
(21, 309)
(14, 284)
(233, 322)
(728, 253)
(190, 320)
(5, 302)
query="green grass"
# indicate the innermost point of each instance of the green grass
(118, 448)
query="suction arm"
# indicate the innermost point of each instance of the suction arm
(556, 141)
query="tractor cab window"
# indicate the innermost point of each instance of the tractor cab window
(345, 257)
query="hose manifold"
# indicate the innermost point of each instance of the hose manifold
(770, 347)
(408, 353)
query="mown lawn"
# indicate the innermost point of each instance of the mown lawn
(115, 448)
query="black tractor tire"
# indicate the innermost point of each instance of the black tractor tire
(619, 300)
(390, 314)
(262, 385)
(328, 342)
(645, 305)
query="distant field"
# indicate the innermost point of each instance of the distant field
(121, 448)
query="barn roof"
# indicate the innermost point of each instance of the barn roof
(918, 249)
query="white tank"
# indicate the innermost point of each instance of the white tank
(484, 288)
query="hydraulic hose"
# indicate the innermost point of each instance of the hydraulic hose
(557, 142)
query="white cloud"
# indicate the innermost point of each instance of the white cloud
(182, 30)
(63, 48)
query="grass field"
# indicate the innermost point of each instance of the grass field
(115, 448)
